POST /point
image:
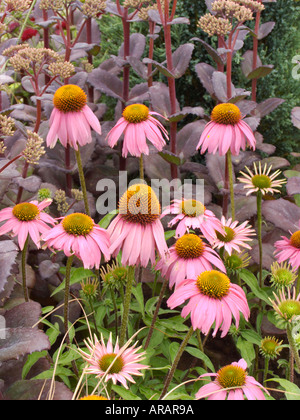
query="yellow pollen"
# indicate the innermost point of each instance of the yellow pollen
(69, 98)
(213, 284)
(26, 212)
(78, 224)
(192, 208)
(110, 360)
(136, 113)
(140, 205)
(226, 114)
(232, 376)
(295, 239)
(189, 246)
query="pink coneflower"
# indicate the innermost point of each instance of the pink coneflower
(226, 131)
(289, 249)
(232, 382)
(187, 258)
(236, 236)
(213, 299)
(71, 119)
(261, 180)
(115, 363)
(137, 230)
(27, 219)
(192, 214)
(79, 235)
(137, 124)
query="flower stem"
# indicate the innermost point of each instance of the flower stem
(82, 181)
(259, 234)
(230, 176)
(24, 254)
(142, 176)
(266, 369)
(176, 361)
(67, 292)
(158, 305)
(126, 304)
(298, 283)
(293, 347)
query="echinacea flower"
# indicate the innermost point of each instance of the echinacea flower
(138, 124)
(289, 249)
(287, 307)
(187, 258)
(137, 229)
(27, 219)
(77, 234)
(71, 119)
(226, 131)
(232, 382)
(212, 300)
(282, 275)
(236, 236)
(192, 214)
(261, 180)
(270, 347)
(115, 363)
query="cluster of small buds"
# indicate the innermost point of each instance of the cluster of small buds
(61, 201)
(92, 8)
(18, 5)
(255, 6)
(7, 126)
(231, 9)
(63, 69)
(52, 4)
(77, 194)
(215, 26)
(43, 194)
(27, 58)
(34, 149)
(87, 67)
(2, 147)
(3, 28)
(132, 3)
(14, 49)
(143, 13)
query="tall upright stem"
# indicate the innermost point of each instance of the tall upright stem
(24, 277)
(230, 176)
(82, 181)
(176, 361)
(293, 347)
(259, 234)
(126, 304)
(255, 52)
(67, 292)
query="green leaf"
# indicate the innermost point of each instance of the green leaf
(138, 294)
(126, 394)
(77, 275)
(259, 72)
(251, 336)
(246, 349)
(173, 350)
(292, 390)
(201, 356)
(31, 360)
(105, 221)
(169, 234)
(252, 282)
(171, 158)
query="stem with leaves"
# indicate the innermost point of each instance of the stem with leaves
(259, 234)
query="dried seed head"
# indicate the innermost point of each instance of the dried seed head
(34, 149)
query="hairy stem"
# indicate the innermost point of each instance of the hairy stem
(126, 305)
(24, 277)
(82, 181)
(175, 363)
(293, 347)
(67, 292)
(259, 234)
(230, 177)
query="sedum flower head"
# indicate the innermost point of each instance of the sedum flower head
(92, 8)
(215, 26)
(18, 5)
(7, 126)
(34, 149)
(63, 69)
